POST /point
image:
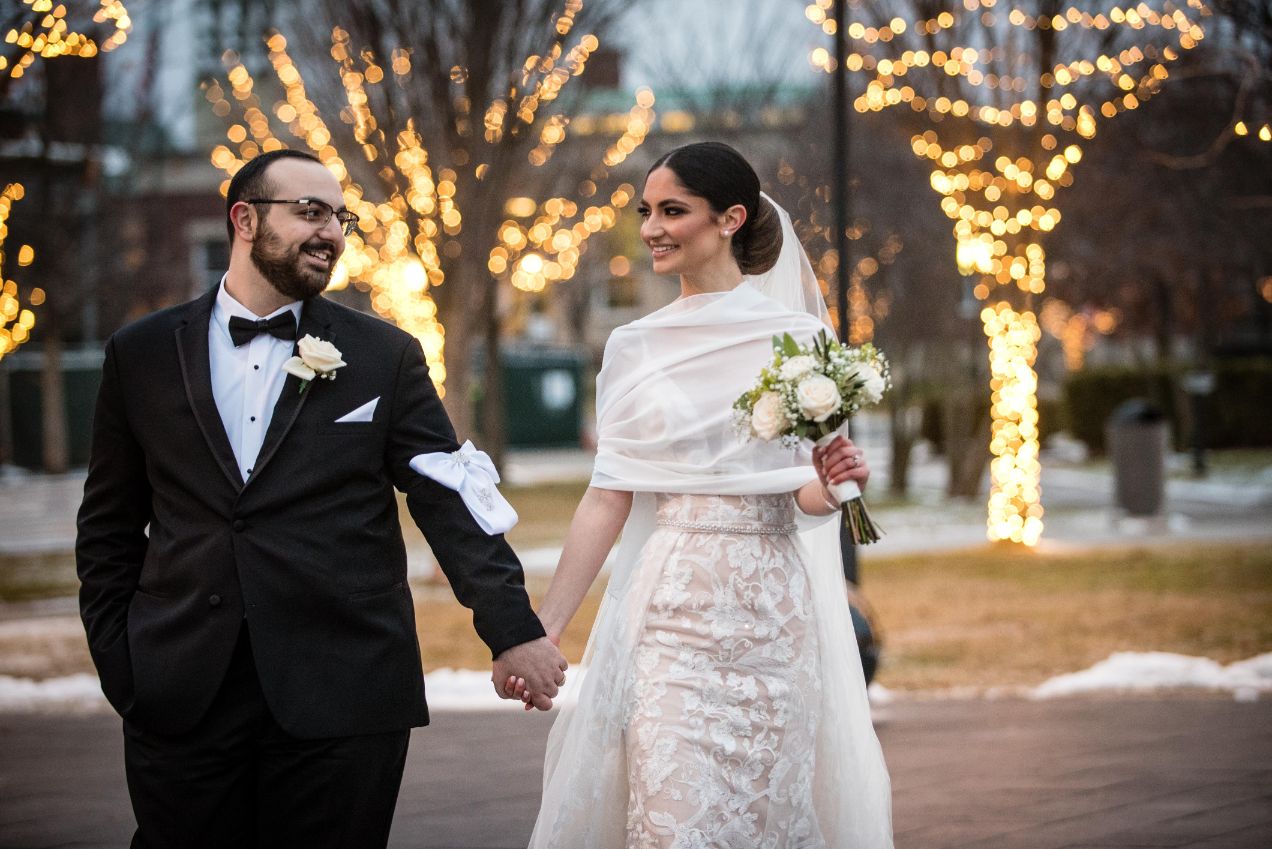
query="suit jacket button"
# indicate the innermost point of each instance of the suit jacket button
(238, 525)
(214, 600)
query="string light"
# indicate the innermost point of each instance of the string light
(15, 322)
(811, 218)
(400, 250)
(1001, 144)
(47, 34)
(1015, 506)
(1077, 331)
(547, 248)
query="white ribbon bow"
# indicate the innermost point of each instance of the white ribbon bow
(472, 474)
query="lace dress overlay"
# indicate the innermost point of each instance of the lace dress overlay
(724, 686)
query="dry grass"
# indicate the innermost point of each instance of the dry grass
(24, 577)
(543, 511)
(446, 631)
(979, 618)
(988, 617)
(992, 617)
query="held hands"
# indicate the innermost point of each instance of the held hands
(840, 461)
(518, 688)
(531, 672)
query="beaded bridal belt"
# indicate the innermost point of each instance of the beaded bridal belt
(726, 528)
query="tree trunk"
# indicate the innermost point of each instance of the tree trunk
(903, 431)
(6, 419)
(55, 447)
(459, 388)
(1164, 324)
(493, 415)
(966, 438)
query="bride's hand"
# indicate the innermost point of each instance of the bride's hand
(515, 688)
(841, 461)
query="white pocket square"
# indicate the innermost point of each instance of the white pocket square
(362, 414)
(472, 474)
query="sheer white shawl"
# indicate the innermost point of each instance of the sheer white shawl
(664, 402)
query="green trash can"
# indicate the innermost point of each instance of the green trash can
(81, 376)
(543, 395)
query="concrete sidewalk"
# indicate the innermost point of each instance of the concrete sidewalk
(1009, 774)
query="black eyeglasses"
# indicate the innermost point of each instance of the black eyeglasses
(317, 212)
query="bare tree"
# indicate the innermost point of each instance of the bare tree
(50, 84)
(448, 111)
(1004, 101)
(1174, 235)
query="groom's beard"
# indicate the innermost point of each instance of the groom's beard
(288, 271)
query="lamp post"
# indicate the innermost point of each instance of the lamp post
(1199, 384)
(841, 218)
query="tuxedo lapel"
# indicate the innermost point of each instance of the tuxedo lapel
(315, 320)
(196, 370)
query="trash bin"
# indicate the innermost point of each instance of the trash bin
(1138, 434)
(543, 395)
(81, 375)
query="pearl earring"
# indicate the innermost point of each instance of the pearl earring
(726, 233)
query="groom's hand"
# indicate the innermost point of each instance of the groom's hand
(539, 663)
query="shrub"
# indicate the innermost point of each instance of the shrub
(1235, 413)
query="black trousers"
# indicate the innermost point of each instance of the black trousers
(239, 781)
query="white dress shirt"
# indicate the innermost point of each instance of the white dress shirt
(247, 380)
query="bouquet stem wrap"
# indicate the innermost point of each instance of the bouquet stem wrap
(856, 518)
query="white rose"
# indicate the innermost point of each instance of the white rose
(318, 357)
(797, 367)
(818, 397)
(872, 384)
(297, 367)
(768, 419)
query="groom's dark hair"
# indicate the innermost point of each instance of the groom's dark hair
(250, 180)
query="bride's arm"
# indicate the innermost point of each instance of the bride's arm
(596, 523)
(838, 462)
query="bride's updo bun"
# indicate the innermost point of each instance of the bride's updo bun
(718, 174)
(763, 241)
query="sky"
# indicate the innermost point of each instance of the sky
(671, 42)
(666, 43)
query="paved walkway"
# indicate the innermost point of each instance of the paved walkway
(1009, 774)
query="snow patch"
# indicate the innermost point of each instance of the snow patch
(471, 689)
(879, 694)
(446, 689)
(71, 694)
(1148, 671)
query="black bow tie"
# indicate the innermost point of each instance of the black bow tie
(244, 330)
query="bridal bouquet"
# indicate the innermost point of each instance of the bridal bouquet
(810, 392)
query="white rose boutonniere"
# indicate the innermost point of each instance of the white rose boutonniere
(318, 359)
(818, 397)
(768, 419)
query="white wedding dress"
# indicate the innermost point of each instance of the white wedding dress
(723, 705)
(723, 709)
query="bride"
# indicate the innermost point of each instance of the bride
(724, 703)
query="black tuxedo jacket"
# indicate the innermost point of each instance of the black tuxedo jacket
(175, 549)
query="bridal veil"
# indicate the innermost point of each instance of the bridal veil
(664, 410)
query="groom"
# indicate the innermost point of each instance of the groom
(242, 566)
